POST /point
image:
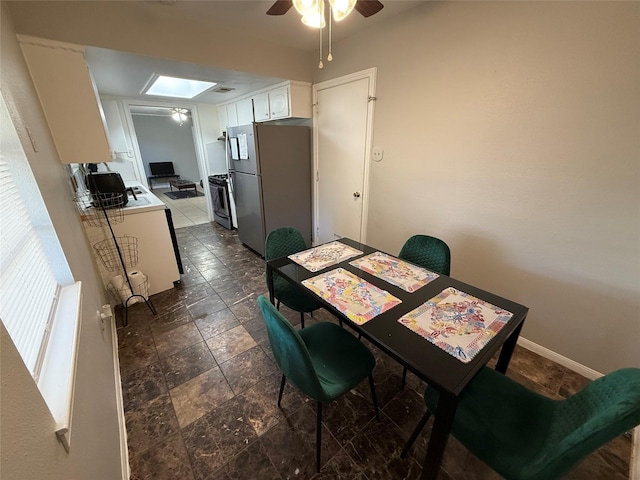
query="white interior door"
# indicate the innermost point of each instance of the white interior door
(343, 120)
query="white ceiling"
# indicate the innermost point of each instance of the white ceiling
(125, 74)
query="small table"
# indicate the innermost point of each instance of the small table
(182, 185)
(438, 368)
(151, 178)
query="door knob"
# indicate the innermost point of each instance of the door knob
(356, 194)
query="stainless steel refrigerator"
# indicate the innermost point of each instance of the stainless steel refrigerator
(270, 171)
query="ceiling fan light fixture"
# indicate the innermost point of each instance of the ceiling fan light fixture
(315, 20)
(179, 115)
(341, 8)
(306, 7)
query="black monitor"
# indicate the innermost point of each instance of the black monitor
(161, 168)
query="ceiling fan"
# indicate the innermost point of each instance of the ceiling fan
(366, 8)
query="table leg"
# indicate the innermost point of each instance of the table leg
(507, 350)
(272, 297)
(444, 415)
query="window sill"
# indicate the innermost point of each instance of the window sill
(58, 374)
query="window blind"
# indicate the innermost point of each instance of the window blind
(28, 287)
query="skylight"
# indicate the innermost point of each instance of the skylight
(177, 87)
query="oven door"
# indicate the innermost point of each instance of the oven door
(220, 200)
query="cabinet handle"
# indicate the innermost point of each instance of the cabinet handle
(356, 194)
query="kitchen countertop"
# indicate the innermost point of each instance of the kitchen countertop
(146, 201)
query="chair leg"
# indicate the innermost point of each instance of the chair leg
(318, 435)
(282, 383)
(416, 432)
(301, 319)
(373, 395)
(277, 304)
(404, 378)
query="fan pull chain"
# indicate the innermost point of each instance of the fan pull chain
(320, 65)
(329, 57)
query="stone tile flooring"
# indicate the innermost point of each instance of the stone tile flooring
(200, 388)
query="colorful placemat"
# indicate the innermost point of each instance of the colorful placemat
(457, 322)
(359, 300)
(395, 271)
(324, 256)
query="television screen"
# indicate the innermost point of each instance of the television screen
(161, 168)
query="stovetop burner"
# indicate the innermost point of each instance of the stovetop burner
(220, 179)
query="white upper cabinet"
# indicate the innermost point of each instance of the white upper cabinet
(245, 111)
(222, 118)
(69, 99)
(279, 103)
(287, 100)
(261, 107)
(232, 115)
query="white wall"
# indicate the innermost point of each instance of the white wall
(28, 445)
(512, 131)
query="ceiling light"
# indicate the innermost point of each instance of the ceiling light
(341, 8)
(313, 15)
(179, 115)
(176, 87)
(306, 7)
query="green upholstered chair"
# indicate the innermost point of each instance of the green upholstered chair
(526, 436)
(427, 252)
(323, 361)
(281, 243)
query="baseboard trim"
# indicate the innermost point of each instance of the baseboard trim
(124, 450)
(559, 359)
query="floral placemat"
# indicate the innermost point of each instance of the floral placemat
(359, 300)
(457, 322)
(395, 271)
(324, 256)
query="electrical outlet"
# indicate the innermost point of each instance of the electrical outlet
(376, 154)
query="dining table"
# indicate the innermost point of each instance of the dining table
(413, 315)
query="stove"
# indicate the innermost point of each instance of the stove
(219, 189)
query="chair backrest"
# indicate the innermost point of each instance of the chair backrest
(282, 242)
(290, 351)
(603, 410)
(428, 252)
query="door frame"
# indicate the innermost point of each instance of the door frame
(369, 74)
(197, 140)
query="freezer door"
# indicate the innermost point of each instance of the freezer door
(248, 210)
(241, 147)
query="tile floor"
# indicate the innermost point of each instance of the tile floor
(185, 212)
(200, 388)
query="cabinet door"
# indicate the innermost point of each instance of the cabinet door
(261, 107)
(68, 97)
(232, 115)
(245, 111)
(222, 117)
(279, 102)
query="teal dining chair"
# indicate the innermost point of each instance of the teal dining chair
(426, 252)
(523, 435)
(323, 361)
(281, 243)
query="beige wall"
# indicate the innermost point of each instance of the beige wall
(152, 29)
(29, 449)
(512, 131)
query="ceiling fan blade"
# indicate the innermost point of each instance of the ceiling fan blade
(368, 7)
(280, 7)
